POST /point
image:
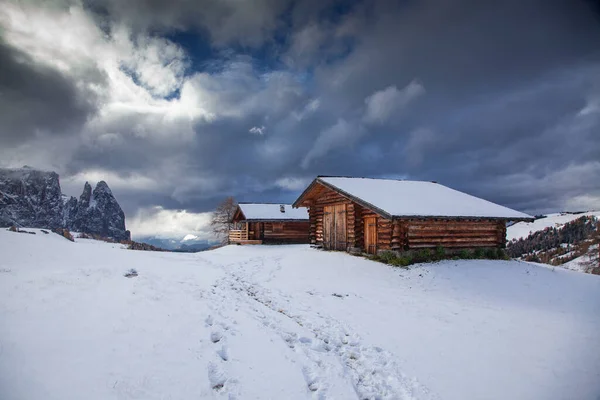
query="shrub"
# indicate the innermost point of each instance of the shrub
(437, 254)
(501, 254)
(440, 253)
(387, 256)
(465, 254)
(491, 254)
(64, 233)
(401, 262)
(424, 255)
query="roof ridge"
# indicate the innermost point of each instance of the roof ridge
(250, 202)
(376, 179)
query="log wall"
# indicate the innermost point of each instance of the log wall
(289, 232)
(358, 222)
(414, 234)
(312, 229)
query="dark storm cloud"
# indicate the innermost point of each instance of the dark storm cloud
(37, 99)
(500, 99)
(226, 22)
(504, 84)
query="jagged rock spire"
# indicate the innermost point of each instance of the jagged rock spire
(98, 213)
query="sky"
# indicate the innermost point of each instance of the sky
(178, 104)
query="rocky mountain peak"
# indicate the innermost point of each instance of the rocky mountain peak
(30, 198)
(33, 198)
(98, 213)
(102, 187)
(86, 196)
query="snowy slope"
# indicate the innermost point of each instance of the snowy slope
(287, 322)
(580, 264)
(523, 229)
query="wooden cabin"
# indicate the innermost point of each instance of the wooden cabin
(257, 223)
(371, 215)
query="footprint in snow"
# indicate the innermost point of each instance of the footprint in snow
(312, 378)
(216, 336)
(216, 376)
(223, 353)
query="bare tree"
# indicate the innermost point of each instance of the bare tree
(221, 221)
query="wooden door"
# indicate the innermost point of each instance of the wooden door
(370, 226)
(334, 227)
(340, 227)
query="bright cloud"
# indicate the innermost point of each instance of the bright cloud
(157, 221)
(382, 104)
(341, 134)
(258, 130)
(293, 184)
(131, 181)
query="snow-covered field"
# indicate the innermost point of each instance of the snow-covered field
(287, 322)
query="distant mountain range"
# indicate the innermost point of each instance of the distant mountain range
(33, 198)
(188, 244)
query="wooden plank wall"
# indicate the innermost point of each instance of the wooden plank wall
(291, 232)
(414, 234)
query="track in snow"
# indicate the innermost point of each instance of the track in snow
(329, 353)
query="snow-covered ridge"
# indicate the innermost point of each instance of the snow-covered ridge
(524, 229)
(189, 237)
(287, 322)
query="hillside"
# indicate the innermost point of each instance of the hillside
(562, 239)
(287, 322)
(556, 220)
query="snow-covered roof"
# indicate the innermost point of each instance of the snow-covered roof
(262, 211)
(418, 198)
